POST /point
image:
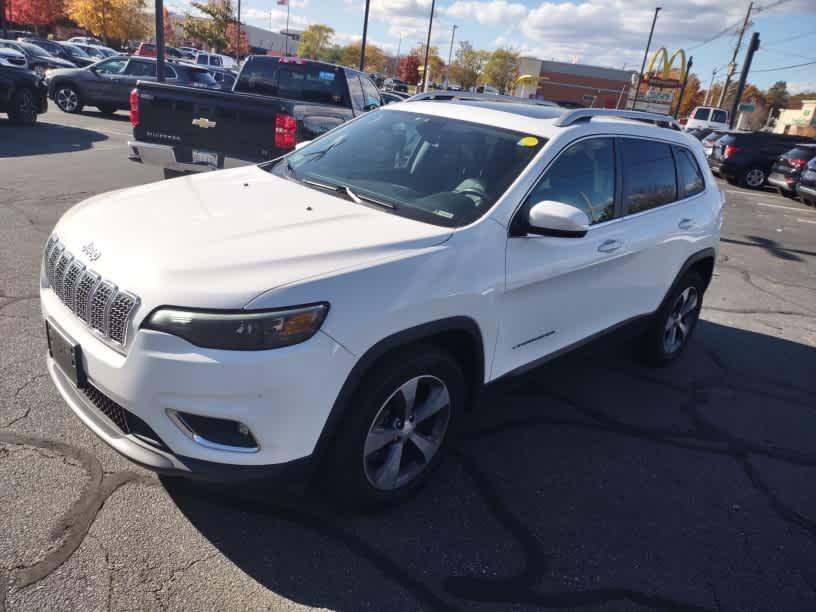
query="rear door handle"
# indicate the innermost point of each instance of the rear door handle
(610, 246)
(686, 224)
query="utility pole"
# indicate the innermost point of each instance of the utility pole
(746, 66)
(160, 41)
(238, 33)
(450, 55)
(427, 50)
(732, 66)
(683, 87)
(399, 47)
(3, 30)
(645, 55)
(365, 33)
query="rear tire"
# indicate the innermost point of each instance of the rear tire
(753, 178)
(68, 99)
(388, 446)
(23, 109)
(675, 322)
(171, 174)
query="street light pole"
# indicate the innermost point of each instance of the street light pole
(645, 55)
(238, 33)
(450, 55)
(683, 88)
(427, 50)
(399, 48)
(160, 41)
(365, 33)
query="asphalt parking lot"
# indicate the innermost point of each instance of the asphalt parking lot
(589, 484)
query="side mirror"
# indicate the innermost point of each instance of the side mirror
(301, 144)
(549, 218)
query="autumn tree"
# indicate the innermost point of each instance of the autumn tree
(243, 43)
(777, 95)
(375, 58)
(502, 69)
(409, 69)
(169, 32)
(212, 31)
(110, 19)
(36, 13)
(315, 41)
(468, 65)
(436, 65)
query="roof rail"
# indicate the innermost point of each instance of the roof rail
(444, 95)
(571, 117)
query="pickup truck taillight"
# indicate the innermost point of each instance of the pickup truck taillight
(797, 163)
(285, 131)
(729, 151)
(134, 108)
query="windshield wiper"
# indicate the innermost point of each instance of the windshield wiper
(349, 192)
(313, 155)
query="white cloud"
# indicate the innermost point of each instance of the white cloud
(261, 18)
(498, 12)
(801, 86)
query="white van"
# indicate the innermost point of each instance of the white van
(708, 117)
(214, 59)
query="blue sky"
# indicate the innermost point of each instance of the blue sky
(601, 32)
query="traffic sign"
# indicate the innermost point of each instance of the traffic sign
(745, 107)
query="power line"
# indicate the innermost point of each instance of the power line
(787, 39)
(786, 53)
(784, 67)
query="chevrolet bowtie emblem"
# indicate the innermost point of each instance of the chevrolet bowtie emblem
(203, 122)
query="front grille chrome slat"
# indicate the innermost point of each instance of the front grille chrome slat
(98, 302)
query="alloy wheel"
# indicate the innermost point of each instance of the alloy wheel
(680, 321)
(755, 178)
(67, 99)
(406, 433)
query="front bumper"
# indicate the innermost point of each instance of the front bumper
(275, 393)
(164, 156)
(805, 191)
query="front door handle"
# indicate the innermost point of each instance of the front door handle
(686, 224)
(610, 246)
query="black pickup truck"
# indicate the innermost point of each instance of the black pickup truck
(275, 103)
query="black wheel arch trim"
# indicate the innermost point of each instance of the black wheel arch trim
(367, 361)
(707, 253)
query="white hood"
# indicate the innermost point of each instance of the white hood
(219, 239)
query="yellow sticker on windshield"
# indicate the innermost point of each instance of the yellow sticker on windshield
(528, 141)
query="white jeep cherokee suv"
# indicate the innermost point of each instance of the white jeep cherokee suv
(340, 306)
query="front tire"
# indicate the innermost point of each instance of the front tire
(753, 178)
(397, 428)
(23, 109)
(68, 99)
(675, 321)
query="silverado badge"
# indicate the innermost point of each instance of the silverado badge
(203, 122)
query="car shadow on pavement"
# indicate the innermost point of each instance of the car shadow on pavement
(44, 138)
(119, 116)
(591, 481)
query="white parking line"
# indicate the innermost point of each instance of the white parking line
(806, 221)
(791, 208)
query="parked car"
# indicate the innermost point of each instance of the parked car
(107, 84)
(389, 97)
(38, 59)
(392, 84)
(22, 92)
(708, 117)
(63, 50)
(806, 186)
(708, 141)
(385, 260)
(215, 60)
(97, 52)
(145, 50)
(787, 170)
(274, 104)
(190, 50)
(85, 40)
(700, 133)
(225, 78)
(13, 59)
(745, 158)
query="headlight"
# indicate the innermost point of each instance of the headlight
(240, 331)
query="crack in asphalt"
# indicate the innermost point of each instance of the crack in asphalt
(13, 299)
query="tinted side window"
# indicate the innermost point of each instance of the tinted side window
(648, 174)
(582, 176)
(689, 177)
(719, 116)
(114, 66)
(372, 96)
(139, 68)
(702, 114)
(356, 91)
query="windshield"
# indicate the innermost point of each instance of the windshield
(75, 51)
(35, 50)
(434, 169)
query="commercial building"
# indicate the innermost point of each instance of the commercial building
(801, 122)
(578, 84)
